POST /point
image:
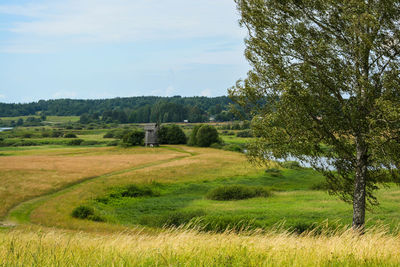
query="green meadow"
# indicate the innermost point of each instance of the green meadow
(159, 198)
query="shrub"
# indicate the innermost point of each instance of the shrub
(246, 133)
(27, 135)
(113, 143)
(233, 147)
(70, 135)
(45, 134)
(90, 143)
(206, 135)
(82, 212)
(75, 142)
(237, 192)
(85, 212)
(56, 134)
(138, 191)
(171, 134)
(193, 136)
(133, 138)
(108, 135)
(291, 165)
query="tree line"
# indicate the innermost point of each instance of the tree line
(131, 109)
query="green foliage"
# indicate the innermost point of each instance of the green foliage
(326, 72)
(70, 135)
(245, 133)
(82, 212)
(133, 138)
(113, 143)
(86, 212)
(108, 135)
(232, 147)
(171, 134)
(75, 142)
(193, 135)
(323, 186)
(138, 191)
(294, 165)
(274, 172)
(237, 192)
(206, 135)
(124, 110)
(90, 143)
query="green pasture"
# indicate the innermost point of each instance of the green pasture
(293, 204)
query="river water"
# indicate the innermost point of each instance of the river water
(5, 129)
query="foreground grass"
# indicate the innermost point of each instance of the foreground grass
(44, 247)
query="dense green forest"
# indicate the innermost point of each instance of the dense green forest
(128, 110)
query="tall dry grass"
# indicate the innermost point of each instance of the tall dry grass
(44, 247)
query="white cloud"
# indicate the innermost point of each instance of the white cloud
(126, 20)
(206, 92)
(2, 96)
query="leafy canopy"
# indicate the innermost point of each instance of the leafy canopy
(325, 72)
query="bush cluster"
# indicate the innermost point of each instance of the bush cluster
(133, 138)
(237, 192)
(171, 134)
(204, 136)
(245, 133)
(70, 135)
(138, 191)
(85, 212)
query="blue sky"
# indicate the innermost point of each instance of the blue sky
(117, 48)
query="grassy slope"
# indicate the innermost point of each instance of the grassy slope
(184, 183)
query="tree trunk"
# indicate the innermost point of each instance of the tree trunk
(360, 186)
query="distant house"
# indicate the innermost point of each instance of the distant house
(186, 121)
(151, 138)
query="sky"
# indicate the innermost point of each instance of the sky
(91, 49)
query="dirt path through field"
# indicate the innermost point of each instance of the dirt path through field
(21, 212)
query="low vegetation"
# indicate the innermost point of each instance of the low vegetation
(176, 247)
(237, 192)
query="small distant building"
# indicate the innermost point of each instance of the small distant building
(186, 121)
(151, 138)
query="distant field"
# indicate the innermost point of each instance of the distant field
(51, 119)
